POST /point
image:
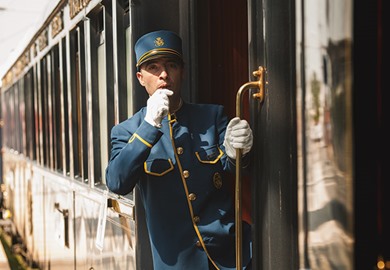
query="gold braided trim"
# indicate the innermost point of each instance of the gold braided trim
(157, 51)
(188, 201)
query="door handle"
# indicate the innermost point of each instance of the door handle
(259, 84)
(65, 214)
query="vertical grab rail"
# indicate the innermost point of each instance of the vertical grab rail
(238, 194)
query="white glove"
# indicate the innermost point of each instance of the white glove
(238, 136)
(157, 107)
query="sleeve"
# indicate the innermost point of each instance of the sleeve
(128, 154)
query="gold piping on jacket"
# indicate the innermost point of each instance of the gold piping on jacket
(135, 135)
(159, 174)
(211, 161)
(187, 193)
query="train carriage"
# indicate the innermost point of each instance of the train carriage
(316, 194)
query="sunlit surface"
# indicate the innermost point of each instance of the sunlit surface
(325, 134)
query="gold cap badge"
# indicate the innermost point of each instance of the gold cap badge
(158, 42)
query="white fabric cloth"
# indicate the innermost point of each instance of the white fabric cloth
(157, 107)
(238, 136)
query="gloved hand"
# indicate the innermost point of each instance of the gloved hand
(157, 107)
(238, 136)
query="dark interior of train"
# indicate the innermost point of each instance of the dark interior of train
(372, 203)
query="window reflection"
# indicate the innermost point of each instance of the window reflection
(325, 140)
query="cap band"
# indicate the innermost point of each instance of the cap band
(155, 52)
(158, 43)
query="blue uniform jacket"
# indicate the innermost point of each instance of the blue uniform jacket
(180, 170)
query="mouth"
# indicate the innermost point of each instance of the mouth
(164, 86)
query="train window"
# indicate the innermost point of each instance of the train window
(93, 102)
(37, 115)
(129, 66)
(5, 111)
(48, 110)
(10, 112)
(29, 115)
(18, 133)
(102, 92)
(3, 132)
(21, 119)
(83, 119)
(122, 27)
(78, 101)
(13, 118)
(16, 114)
(74, 104)
(56, 111)
(43, 106)
(50, 113)
(9, 119)
(64, 108)
(92, 25)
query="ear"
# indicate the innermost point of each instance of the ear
(140, 78)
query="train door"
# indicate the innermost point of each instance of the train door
(215, 48)
(222, 44)
(306, 105)
(234, 41)
(301, 186)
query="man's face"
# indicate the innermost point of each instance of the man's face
(161, 73)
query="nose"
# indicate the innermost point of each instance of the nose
(164, 72)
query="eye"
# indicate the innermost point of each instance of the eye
(173, 65)
(152, 67)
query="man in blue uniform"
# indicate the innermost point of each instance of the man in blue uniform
(177, 153)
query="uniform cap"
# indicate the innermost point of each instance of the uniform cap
(157, 44)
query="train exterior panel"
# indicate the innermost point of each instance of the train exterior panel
(58, 220)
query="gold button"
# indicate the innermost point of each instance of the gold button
(198, 244)
(217, 180)
(192, 196)
(196, 219)
(186, 174)
(180, 150)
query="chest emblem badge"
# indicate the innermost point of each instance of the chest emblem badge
(217, 180)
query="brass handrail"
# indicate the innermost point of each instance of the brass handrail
(238, 194)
